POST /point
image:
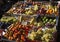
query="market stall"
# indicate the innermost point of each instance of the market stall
(32, 21)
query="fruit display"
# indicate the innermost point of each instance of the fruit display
(8, 19)
(17, 32)
(31, 22)
(20, 32)
(43, 35)
(43, 21)
(49, 22)
(34, 8)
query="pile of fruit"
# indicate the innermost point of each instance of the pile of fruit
(43, 21)
(48, 22)
(35, 8)
(28, 27)
(21, 33)
(43, 35)
(17, 32)
(8, 19)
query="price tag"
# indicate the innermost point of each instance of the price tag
(24, 23)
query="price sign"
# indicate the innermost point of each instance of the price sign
(24, 23)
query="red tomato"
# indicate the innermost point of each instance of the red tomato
(22, 37)
(16, 31)
(26, 33)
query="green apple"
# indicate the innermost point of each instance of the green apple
(46, 20)
(44, 17)
(39, 32)
(39, 24)
(50, 20)
(54, 20)
(35, 23)
(31, 37)
(14, 20)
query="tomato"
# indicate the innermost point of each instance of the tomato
(19, 26)
(16, 31)
(22, 37)
(26, 33)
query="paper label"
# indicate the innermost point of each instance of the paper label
(24, 23)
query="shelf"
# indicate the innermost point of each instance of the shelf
(8, 14)
(7, 40)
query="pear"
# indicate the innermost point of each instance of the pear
(39, 31)
(32, 35)
(46, 37)
(46, 20)
(2, 19)
(30, 12)
(54, 30)
(26, 12)
(38, 24)
(35, 23)
(14, 20)
(50, 20)
(35, 7)
(49, 7)
(55, 9)
(54, 20)
(47, 40)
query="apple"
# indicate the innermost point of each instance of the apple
(42, 11)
